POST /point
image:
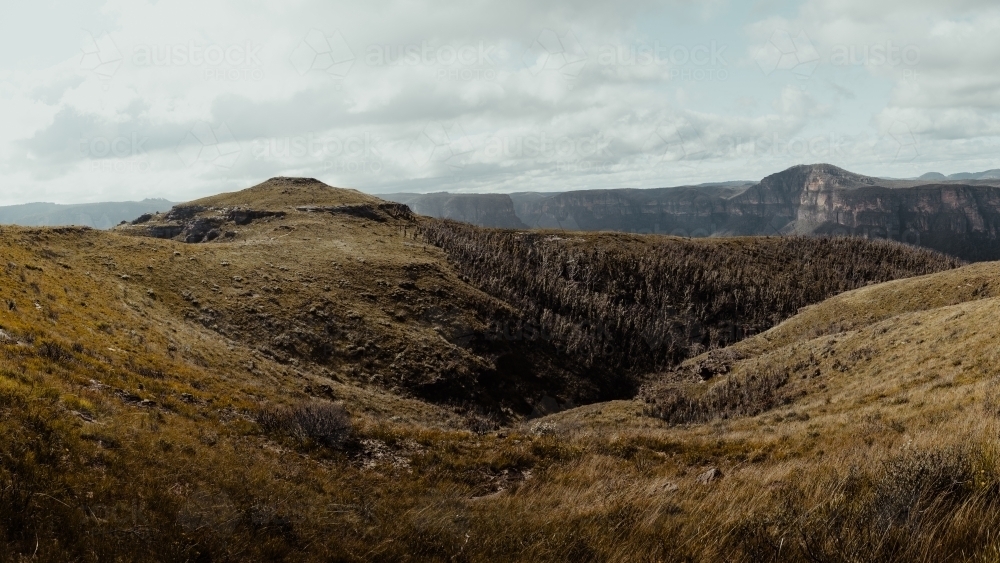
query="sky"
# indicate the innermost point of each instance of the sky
(105, 100)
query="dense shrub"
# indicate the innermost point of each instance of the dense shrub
(53, 351)
(745, 395)
(633, 304)
(323, 423)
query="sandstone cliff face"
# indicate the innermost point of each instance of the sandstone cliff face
(679, 211)
(958, 217)
(960, 220)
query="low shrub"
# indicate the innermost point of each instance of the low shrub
(327, 424)
(748, 394)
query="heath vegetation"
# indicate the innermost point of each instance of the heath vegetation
(327, 385)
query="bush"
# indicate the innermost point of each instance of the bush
(323, 423)
(53, 351)
(746, 395)
(921, 505)
(481, 423)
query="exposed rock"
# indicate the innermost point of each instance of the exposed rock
(247, 216)
(195, 224)
(709, 476)
(376, 212)
(663, 486)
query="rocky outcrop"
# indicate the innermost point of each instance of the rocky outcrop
(960, 220)
(195, 223)
(380, 212)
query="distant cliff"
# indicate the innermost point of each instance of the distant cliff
(486, 210)
(680, 210)
(959, 215)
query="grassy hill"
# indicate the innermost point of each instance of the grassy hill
(866, 425)
(314, 380)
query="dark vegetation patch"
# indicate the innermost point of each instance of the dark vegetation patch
(747, 394)
(631, 305)
(317, 422)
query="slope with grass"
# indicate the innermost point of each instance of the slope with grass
(312, 387)
(866, 426)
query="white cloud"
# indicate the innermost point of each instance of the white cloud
(733, 99)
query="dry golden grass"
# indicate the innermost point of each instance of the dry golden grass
(886, 450)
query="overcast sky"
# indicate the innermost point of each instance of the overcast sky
(125, 99)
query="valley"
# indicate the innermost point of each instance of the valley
(301, 372)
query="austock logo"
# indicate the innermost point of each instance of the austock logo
(782, 52)
(898, 144)
(210, 145)
(442, 143)
(519, 331)
(321, 53)
(449, 324)
(196, 54)
(532, 330)
(693, 335)
(675, 140)
(551, 52)
(100, 56)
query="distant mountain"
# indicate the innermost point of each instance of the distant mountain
(957, 214)
(95, 215)
(987, 175)
(933, 176)
(993, 174)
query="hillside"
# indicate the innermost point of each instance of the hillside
(293, 372)
(633, 304)
(94, 215)
(867, 424)
(357, 261)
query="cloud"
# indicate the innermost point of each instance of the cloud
(534, 95)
